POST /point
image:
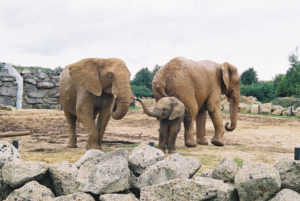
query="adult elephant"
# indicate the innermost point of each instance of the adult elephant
(92, 87)
(199, 85)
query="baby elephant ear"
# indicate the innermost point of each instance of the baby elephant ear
(178, 108)
(85, 73)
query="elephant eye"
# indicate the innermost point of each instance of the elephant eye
(110, 76)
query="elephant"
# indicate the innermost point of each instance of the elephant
(91, 87)
(199, 86)
(170, 113)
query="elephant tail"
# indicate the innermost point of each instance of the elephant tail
(159, 90)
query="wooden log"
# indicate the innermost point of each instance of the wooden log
(15, 134)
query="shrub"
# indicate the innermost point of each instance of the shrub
(141, 91)
(263, 91)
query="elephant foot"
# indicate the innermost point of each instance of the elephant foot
(163, 149)
(93, 146)
(217, 142)
(190, 143)
(72, 145)
(171, 149)
(202, 141)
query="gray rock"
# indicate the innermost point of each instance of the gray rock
(207, 174)
(30, 81)
(5, 100)
(144, 156)
(226, 170)
(266, 108)
(225, 191)
(257, 181)
(37, 94)
(17, 173)
(289, 171)
(5, 107)
(30, 88)
(64, 175)
(31, 191)
(33, 100)
(53, 93)
(75, 197)
(8, 153)
(118, 197)
(255, 109)
(179, 190)
(45, 85)
(277, 112)
(51, 100)
(42, 75)
(7, 78)
(26, 71)
(286, 195)
(7, 84)
(287, 112)
(173, 167)
(89, 155)
(8, 91)
(107, 174)
(244, 108)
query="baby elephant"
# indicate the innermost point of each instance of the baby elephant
(170, 113)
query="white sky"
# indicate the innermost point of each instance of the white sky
(246, 33)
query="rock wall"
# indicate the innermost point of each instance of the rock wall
(145, 174)
(40, 88)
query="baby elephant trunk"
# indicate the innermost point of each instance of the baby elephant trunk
(150, 113)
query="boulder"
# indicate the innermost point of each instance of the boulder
(30, 88)
(244, 108)
(226, 170)
(6, 107)
(8, 91)
(225, 191)
(248, 100)
(277, 112)
(107, 174)
(266, 108)
(255, 109)
(45, 85)
(144, 156)
(26, 71)
(31, 191)
(42, 75)
(287, 111)
(33, 100)
(89, 155)
(8, 153)
(289, 171)
(37, 94)
(17, 173)
(206, 174)
(75, 197)
(256, 181)
(118, 197)
(173, 167)
(63, 175)
(179, 190)
(30, 81)
(286, 195)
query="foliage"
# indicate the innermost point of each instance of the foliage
(287, 102)
(21, 68)
(249, 77)
(141, 91)
(263, 91)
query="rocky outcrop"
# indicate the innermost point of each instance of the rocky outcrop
(8, 153)
(226, 170)
(286, 195)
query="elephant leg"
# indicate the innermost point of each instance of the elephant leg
(163, 134)
(189, 138)
(216, 117)
(103, 118)
(174, 130)
(200, 128)
(72, 130)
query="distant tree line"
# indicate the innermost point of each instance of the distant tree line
(282, 85)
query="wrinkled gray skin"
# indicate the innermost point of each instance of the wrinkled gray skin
(170, 113)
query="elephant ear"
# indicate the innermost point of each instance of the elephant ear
(86, 75)
(178, 108)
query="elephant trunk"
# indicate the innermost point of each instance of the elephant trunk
(147, 112)
(121, 102)
(234, 105)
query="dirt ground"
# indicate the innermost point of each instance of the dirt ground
(259, 138)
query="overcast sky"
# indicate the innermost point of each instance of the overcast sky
(252, 33)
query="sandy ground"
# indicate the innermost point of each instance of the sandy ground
(258, 138)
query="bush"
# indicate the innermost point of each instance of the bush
(141, 91)
(287, 102)
(263, 91)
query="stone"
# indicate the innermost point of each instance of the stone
(226, 107)
(266, 108)
(37, 94)
(225, 191)
(248, 100)
(51, 100)
(226, 170)
(17, 173)
(54, 93)
(7, 84)
(30, 81)
(33, 100)
(244, 108)
(7, 78)
(6, 107)
(179, 190)
(277, 112)
(118, 197)
(6, 100)
(287, 111)
(63, 175)
(107, 174)
(45, 85)
(144, 156)
(255, 109)
(30, 88)
(206, 174)
(173, 167)
(286, 195)
(289, 171)
(26, 71)
(8, 91)
(42, 75)
(8, 153)
(31, 191)
(88, 156)
(256, 181)
(75, 197)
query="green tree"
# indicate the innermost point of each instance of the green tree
(263, 91)
(141, 91)
(154, 71)
(143, 78)
(249, 77)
